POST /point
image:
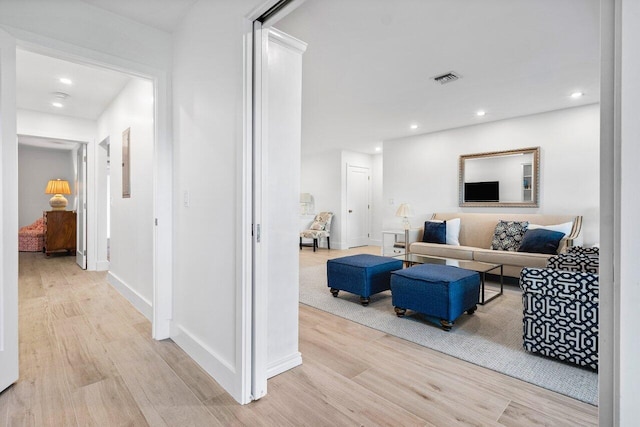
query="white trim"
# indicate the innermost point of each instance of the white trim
(608, 337)
(284, 364)
(141, 304)
(260, 253)
(207, 358)
(287, 41)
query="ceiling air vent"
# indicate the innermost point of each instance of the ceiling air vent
(446, 78)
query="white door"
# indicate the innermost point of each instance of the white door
(8, 214)
(357, 206)
(81, 247)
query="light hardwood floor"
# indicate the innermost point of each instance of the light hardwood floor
(86, 359)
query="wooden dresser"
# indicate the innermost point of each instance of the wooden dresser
(59, 232)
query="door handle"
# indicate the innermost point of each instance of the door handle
(350, 211)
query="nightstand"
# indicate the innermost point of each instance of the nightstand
(59, 232)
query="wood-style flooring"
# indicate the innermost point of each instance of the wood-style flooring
(86, 358)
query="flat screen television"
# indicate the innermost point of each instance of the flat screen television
(488, 191)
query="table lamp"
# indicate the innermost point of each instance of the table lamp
(58, 187)
(404, 211)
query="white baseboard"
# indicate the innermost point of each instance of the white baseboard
(143, 305)
(284, 364)
(212, 363)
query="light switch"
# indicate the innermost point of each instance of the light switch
(391, 201)
(186, 198)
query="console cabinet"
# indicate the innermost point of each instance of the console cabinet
(59, 232)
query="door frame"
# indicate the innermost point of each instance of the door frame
(162, 160)
(9, 347)
(346, 192)
(254, 291)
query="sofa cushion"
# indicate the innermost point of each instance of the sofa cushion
(435, 232)
(453, 230)
(508, 235)
(520, 259)
(447, 251)
(541, 241)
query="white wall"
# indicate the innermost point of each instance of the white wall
(132, 220)
(320, 175)
(377, 199)
(35, 123)
(628, 280)
(86, 26)
(324, 176)
(423, 170)
(208, 163)
(36, 166)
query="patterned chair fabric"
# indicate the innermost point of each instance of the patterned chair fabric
(575, 261)
(31, 237)
(320, 228)
(561, 314)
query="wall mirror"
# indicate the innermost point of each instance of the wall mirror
(500, 178)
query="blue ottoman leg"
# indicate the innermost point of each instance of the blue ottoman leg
(364, 301)
(334, 292)
(400, 311)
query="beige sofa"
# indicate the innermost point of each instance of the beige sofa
(476, 233)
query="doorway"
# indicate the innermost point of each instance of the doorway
(358, 205)
(138, 104)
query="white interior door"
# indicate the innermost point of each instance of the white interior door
(81, 246)
(8, 214)
(357, 206)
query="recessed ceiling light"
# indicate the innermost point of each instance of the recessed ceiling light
(66, 81)
(378, 148)
(576, 95)
(480, 113)
(414, 126)
(57, 104)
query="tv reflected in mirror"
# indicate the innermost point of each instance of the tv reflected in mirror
(488, 191)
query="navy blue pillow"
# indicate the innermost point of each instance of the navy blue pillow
(541, 241)
(435, 232)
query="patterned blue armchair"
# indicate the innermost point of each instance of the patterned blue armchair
(561, 308)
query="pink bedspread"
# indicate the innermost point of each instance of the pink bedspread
(31, 237)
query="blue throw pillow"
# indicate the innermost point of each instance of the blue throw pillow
(435, 232)
(541, 241)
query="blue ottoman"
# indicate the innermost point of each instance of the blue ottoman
(362, 275)
(436, 290)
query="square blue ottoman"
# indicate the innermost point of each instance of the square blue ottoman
(436, 290)
(362, 275)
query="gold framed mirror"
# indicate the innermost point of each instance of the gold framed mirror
(500, 178)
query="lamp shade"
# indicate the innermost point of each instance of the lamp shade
(305, 198)
(58, 187)
(404, 210)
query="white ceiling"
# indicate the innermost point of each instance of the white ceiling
(56, 144)
(92, 90)
(161, 14)
(368, 66)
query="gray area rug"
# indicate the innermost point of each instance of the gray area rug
(492, 337)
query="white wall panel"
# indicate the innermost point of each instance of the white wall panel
(281, 187)
(132, 227)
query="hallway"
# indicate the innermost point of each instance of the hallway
(87, 357)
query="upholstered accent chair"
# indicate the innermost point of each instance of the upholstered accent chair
(561, 308)
(320, 228)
